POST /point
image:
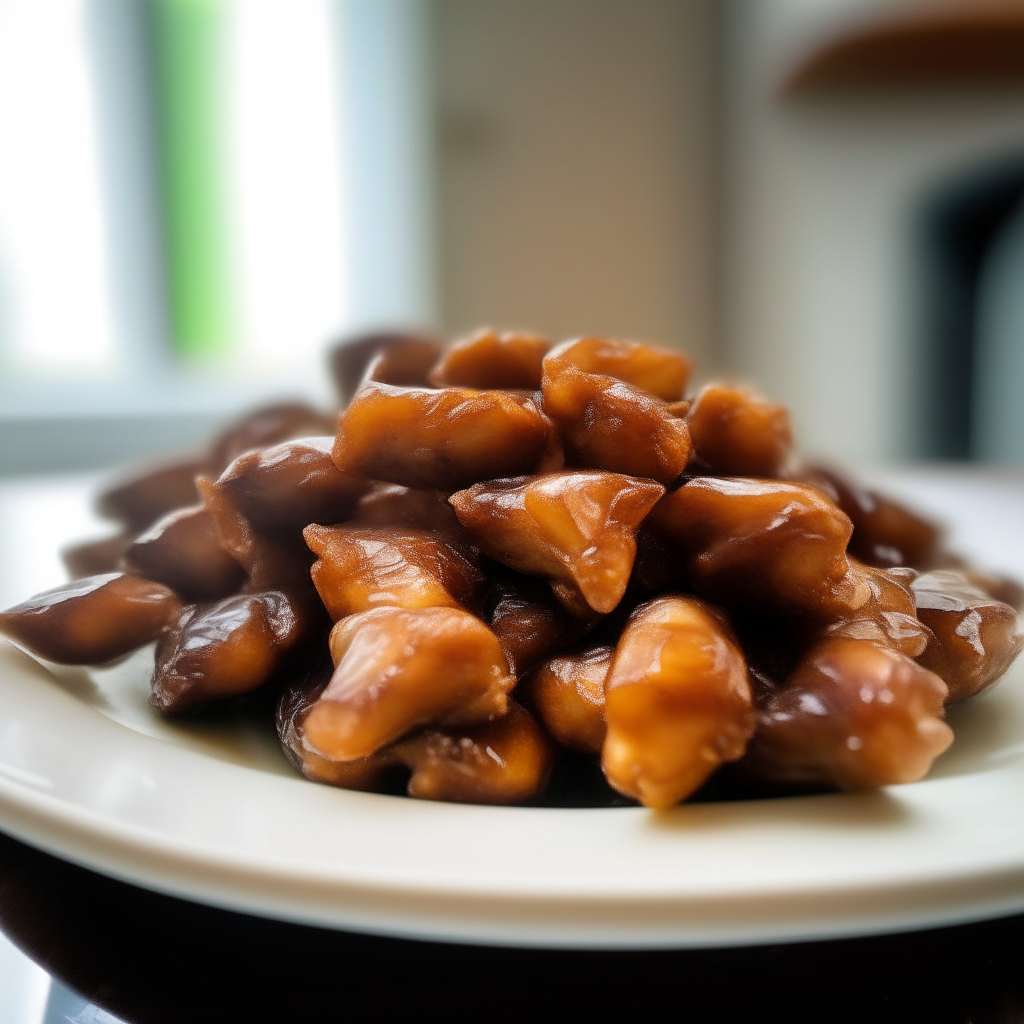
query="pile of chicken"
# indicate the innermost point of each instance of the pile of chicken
(507, 548)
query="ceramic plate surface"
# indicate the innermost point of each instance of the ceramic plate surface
(214, 814)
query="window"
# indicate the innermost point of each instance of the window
(195, 197)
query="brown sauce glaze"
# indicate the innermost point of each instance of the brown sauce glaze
(508, 566)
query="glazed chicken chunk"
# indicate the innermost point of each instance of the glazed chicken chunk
(516, 571)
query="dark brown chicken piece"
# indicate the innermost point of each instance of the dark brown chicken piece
(389, 357)
(223, 650)
(658, 371)
(608, 424)
(568, 694)
(774, 642)
(408, 508)
(576, 528)
(529, 621)
(492, 359)
(677, 701)
(761, 543)
(445, 439)
(885, 533)
(93, 620)
(363, 567)
(144, 495)
(736, 432)
(976, 637)
(400, 670)
(854, 715)
(182, 550)
(272, 560)
(290, 485)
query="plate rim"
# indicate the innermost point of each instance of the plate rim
(523, 915)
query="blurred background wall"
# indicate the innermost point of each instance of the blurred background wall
(874, 156)
(820, 196)
(577, 167)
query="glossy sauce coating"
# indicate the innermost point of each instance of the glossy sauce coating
(92, 620)
(568, 694)
(576, 528)
(660, 372)
(606, 423)
(363, 567)
(451, 574)
(975, 637)
(854, 715)
(506, 761)
(677, 701)
(290, 485)
(735, 432)
(398, 670)
(183, 551)
(749, 543)
(448, 438)
(492, 359)
(223, 650)
(889, 615)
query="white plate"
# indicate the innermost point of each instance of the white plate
(215, 816)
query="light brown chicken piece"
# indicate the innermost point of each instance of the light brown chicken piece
(605, 423)
(677, 701)
(399, 670)
(889, 615)
(736, 432)
(576, 528)
(363, 567)
(506, 761)
(568, 693)
(446, 439)
(658, 371)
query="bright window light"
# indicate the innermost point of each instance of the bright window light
(55, 315)
(287, 223)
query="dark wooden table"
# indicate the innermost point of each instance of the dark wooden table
(150, 958)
